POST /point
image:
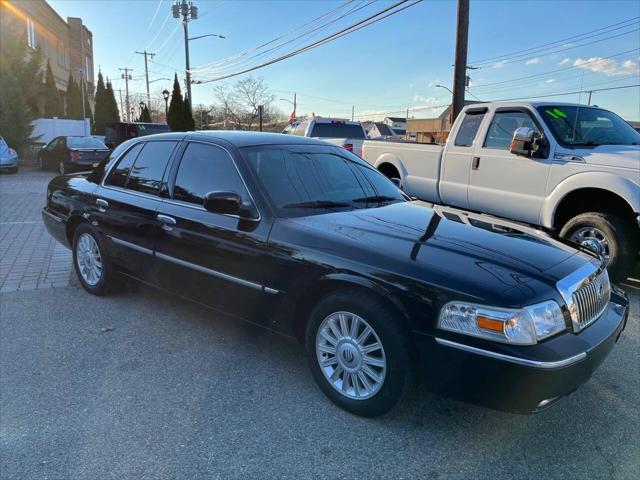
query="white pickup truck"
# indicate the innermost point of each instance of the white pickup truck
(347, 134)
(571, 168)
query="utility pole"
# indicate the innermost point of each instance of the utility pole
(84, 114)
(460, 67)
(188, 11)
(146, 73)
(353, 111)
(589, 101)
(121, 106)
(127, 76)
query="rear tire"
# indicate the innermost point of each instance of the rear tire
(358, 376)
(62, 168)
(608, 233)
(91, 262)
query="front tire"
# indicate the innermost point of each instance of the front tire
(91, 261)
(609, 236)
(358, 352)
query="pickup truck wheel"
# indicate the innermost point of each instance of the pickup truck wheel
(358, 353)
(607, 235)
(91, 261)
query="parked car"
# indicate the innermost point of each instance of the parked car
(8, 157)
(533, 162)
(69, 154)
(304, 238)
(347, 134)
(116, 133)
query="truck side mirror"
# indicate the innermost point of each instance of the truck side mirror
(526, 142)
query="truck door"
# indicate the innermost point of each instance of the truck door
(457, 158)
(500, 182)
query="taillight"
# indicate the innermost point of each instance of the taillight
(348, 146)
(75, 155)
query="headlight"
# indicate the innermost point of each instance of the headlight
(524, 326)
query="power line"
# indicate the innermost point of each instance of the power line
(492, 59)
(382, 14)
(225, 66)
(558, 70)
(568, 93)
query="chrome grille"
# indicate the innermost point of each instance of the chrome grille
(590, 300)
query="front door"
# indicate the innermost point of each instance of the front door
(126, 204)
(502, 183)
(216, 259)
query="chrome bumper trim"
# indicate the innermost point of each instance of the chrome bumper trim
(130, 245)
(52, 216)
(508, 358)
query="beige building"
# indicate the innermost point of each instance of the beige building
(431, 130)
(66, 44)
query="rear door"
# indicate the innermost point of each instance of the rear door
(458, 157)
(502, 183)
(213, 258)
(127, 201)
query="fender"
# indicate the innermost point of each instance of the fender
(359, 281)
(625, 188)
(393, 160)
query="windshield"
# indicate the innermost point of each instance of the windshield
(337, 130)
(587, 126)
(85, 142)
(302, 180)
(2, 142)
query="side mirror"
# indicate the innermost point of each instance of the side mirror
(396, 182)
(228, 203)
(526, 142)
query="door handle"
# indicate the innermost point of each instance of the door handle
(102, 205)
(167, 222)
(475, 163)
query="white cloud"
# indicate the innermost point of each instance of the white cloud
(425, 100)
(533, 61)
(433, 83)
(607, 66)
(551, 80)
(499, 64)
(565, 61)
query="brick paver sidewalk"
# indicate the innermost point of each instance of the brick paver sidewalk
(29, 257)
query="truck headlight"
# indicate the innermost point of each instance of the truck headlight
(525, 326)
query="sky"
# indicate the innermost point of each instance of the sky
(387, 67)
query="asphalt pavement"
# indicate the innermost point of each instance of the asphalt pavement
(141, 385)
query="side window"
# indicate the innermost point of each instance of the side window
(287, 129)
(301, 129)
(469, 129)
(204, 169)
(53, 144)
(148, 169)
(503, 125)
(120, 172)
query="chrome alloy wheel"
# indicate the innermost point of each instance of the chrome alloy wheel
(594, 240)
(351, 355)
(89, 259)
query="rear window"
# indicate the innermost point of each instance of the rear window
(337, 130)
(85, 142)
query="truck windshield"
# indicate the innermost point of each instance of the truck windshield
(337, 130)
(587, 126)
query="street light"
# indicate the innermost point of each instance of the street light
(446, 88)
(165, 95)
(208, 35)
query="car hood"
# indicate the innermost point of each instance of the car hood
(476, 254)
(620, 156)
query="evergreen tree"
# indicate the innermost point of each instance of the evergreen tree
(87, 105)
(145, 115)
(100, 115)
(15, 111)
(112, 113)
(188, 123)
(31, 72)
(175, 116)
(52, 102)
(74, 100)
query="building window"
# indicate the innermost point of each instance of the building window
(60, 54)
(32, 40)
(87, 67)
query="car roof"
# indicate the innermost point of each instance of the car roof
(246, 139)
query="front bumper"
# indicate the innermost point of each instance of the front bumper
(8, 163)
(520, 379)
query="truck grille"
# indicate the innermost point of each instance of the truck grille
(590, 300)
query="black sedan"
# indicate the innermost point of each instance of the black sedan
(68, 154)
(304, 238)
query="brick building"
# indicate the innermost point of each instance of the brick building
(66, 44)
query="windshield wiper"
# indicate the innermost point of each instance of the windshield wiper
(375, 199)
(317, 204)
